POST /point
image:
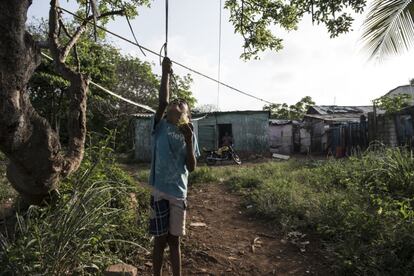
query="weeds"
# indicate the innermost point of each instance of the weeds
(92, 224)
(204, 174)
(362, 207)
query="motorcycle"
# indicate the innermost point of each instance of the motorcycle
(225, 153)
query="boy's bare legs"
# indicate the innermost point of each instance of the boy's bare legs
(158, 254)
(175, 254)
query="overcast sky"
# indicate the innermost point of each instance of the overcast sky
(311, 64)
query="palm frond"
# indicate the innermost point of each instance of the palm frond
(388, 28)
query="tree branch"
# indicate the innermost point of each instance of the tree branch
(81, 29)
(77, 94)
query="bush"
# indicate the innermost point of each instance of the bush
(92, 224)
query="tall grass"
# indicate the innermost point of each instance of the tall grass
(92, 224)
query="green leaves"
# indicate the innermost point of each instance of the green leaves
(388, 28)
(258, 20)
(392, 104)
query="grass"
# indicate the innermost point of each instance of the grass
(362, 207)
(94, 223)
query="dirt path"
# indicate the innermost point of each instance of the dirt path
(233, 243)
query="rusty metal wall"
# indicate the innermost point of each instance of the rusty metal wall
(142, 140)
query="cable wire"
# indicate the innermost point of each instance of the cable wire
(219, 60)
(133, 33)
(175, 62)
(166, 28)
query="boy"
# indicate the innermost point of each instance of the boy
(174, 156)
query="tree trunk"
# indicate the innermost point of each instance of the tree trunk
(37, 161)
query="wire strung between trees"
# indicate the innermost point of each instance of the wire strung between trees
(175, 62)
(143, 106)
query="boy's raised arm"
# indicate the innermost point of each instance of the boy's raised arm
(164, 94)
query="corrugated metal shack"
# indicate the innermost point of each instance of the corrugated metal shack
(142, 136)
(249, 130)
(337, 129)
(282, 138)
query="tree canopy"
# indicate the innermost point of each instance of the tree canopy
(255, 19)
(290, 112)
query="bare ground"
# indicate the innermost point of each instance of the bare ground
(235, 243)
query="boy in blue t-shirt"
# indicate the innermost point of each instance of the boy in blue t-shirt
(174, 152)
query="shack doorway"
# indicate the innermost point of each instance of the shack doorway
(224, 129)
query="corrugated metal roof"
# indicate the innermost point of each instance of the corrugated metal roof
(233, 111)
(143, 115)
(334, 109)
(197, 115)
(279, 122)
(403, 89)
(353, 117)
(407, 89)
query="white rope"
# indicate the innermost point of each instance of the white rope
(146, 107)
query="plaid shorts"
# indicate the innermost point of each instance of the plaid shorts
(160, 217)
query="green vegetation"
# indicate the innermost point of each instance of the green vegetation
(6, 191)
(362, 208)
(204, 174)
(392, 104)
(254, 20)
(125, 75)
(96, 221)
(291, 112)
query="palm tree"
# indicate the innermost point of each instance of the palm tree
(389, 28)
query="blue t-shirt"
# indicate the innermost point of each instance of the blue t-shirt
(169, 172)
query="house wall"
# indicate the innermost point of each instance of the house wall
(249, 130)
(281, 138)
(385, 130)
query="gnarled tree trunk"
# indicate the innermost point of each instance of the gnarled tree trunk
(37, 161)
